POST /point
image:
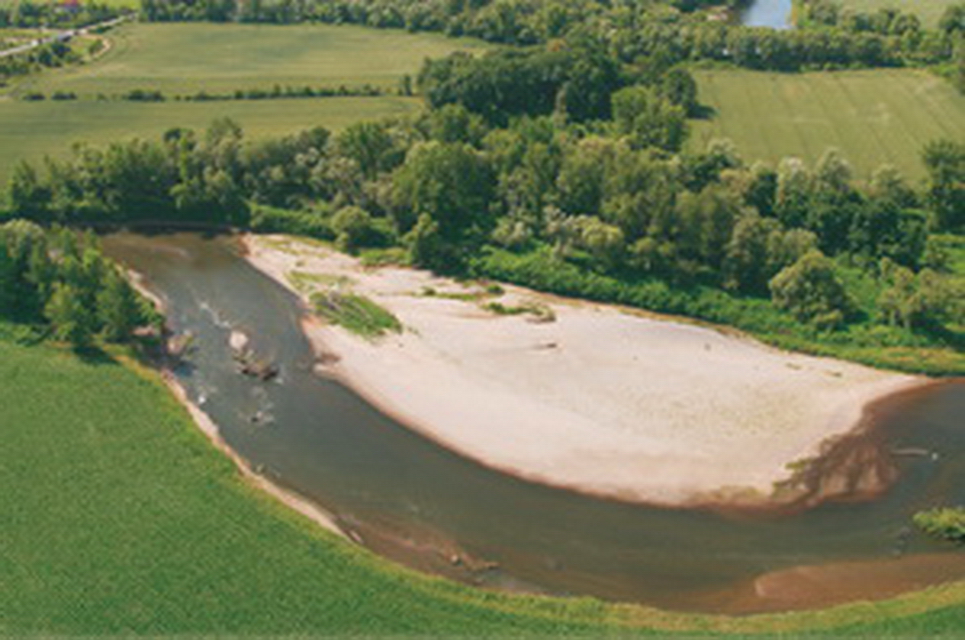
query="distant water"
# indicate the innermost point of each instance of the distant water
(768, 13)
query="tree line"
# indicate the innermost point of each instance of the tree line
(671, 32)
(60, 278)
(616, 197)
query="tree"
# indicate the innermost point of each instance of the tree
(811, 291)
(747, 267)
(451, 183)
(8, 282)
(369, 144)
(118, 308)
(648, 119)
(680, 88)
(916, 301)
(72, 320)
(352, 226)
(793, 194)
(945, 162)
(28, 196)
(605, 242)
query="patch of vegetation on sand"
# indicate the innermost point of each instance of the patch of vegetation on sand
(358, 314)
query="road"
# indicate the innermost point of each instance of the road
(61, 36)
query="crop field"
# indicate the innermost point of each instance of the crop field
(32, 130)
(182, 59)
(930, 11)
(221, 58)
(873, 117)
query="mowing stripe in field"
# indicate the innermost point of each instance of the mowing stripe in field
(875, 117)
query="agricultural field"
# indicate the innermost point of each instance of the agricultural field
(186, 58)
(32, 130)
(221, 58)
(930, 11)
(874, 117)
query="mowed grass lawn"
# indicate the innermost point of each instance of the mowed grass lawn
(930, 11)
(31, 130)
(875, 116)
(220, 58)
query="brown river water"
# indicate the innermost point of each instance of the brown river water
(414, 502)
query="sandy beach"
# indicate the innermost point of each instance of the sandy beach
(578, 395)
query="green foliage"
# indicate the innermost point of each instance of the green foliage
(73, 321)
(65, 280)
(923, 300)
(648, 119)
(352, 227)
(945, 162)
(356, 313)
(944, 524)
(811, 290)
(265, 219)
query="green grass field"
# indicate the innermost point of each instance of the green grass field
(31, 130)
(121, 518)
(185, 58)
(219, 58)
(874, 117)
(930, 11)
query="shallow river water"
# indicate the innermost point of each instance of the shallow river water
(415, 502)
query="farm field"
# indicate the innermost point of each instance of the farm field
(874, 117)
(32, 130)
(186, 58)
(930, 11)
(220, 58)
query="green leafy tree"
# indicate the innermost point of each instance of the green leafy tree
(352, 227)
(118, 308)
(811, 290)
(71, 319)
(649, 119)
(452, 183)
(945, 162)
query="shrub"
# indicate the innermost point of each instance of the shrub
(945, 524)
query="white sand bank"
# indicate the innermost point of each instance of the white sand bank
(599, 400)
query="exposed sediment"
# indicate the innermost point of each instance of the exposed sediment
(595, 399)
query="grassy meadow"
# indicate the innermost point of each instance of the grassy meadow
(220, 58)
(930, 11)
(874, 116)
(182, 59)
(31, 130)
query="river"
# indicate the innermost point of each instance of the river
(410, 500)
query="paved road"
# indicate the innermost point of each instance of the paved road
(61, 36)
